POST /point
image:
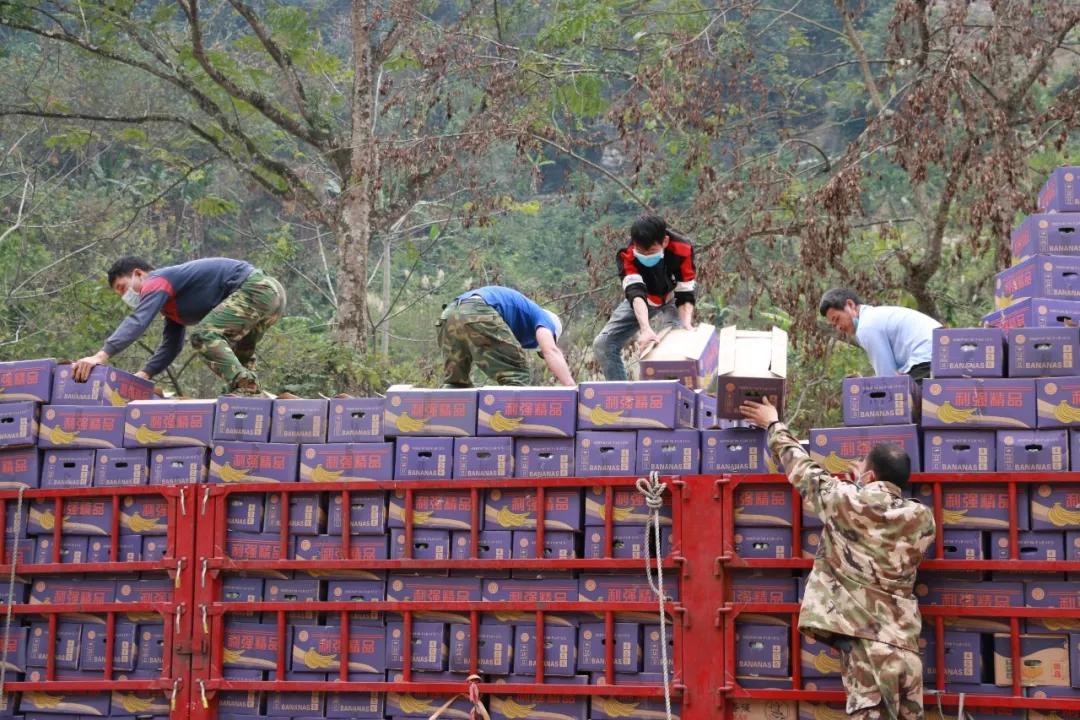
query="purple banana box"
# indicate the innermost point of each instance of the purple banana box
(357, 706)
(648, 405)
(1055, 507)
(367, 514)
(705, 411)
(418, 705)
(592, 642)
(689, 356)
(92, 704)
(79, 426)
(299, 421)
(66, 645)
(1045, 660)
(151, 647)
(960, 545)
(178, 466)
(1044, 352)
(82, 516)
(963, 656)
(27, 551)
(26, 380)
(974, 507)
(836, 449)
(968, 352)
(20, 467)
(627, 542)
(92, 649)
(628, 506)
(244, 462)
(492, 545)
(544, 457)
(960, 451)
(945, 591)
(301, 589)
(252, 546)
(424, 458)
(153, 548)
(1053, 595)
(557, 545)
(245, 512)
(429, 647)
(239, 704)
(1040, 276)
(1040, 312)
(243, 419)
(121, 468)
(491, 457)
(355, 420)
(1058, 402)
(772, 543)
(1061, 192)
(241, 589)
(68, 469)
(763, 505)
(599, 454)
(426, 544)
(347, 462)
(169, 423)
(421, 588)
(762, 650)
(670, 452)
(553, 590)
(818, 660)
(295, 704)
(306, 514)
(105, 386)
(559, 652)
(1032, 451)
(152, 703)
(446, 509)
(251, 646)
(328, 547)
(318, 649)
(358, 591)
(14, 648)
(130, 550)
(18, 424)
(974, 403)
(516, 509)
(420, 411)
(1046, 234)
(495, 646)
(879, 401)
(144, 515)
(73, 549)
(527, 412)
(652, 658)
(144, 591)
(622, 588)
(1033, 546)
(734, 450)
(553, 707)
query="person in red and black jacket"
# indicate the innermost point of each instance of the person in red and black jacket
(658, 278)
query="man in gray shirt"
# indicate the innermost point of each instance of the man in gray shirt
(229, 303)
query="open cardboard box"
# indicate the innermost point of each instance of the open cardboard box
(689, 356)
(752, 365)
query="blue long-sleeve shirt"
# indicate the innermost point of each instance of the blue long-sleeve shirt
(895, 338)
(184, 294)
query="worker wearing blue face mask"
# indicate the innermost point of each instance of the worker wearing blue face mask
(658, 279)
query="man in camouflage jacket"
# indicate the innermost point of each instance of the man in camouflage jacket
(858, 597)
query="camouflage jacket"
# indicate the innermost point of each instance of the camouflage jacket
(871, 547)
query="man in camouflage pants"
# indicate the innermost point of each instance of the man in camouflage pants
(492, 327)
(229, 303)
(859, 597)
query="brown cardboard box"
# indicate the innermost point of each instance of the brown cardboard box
(752, 365)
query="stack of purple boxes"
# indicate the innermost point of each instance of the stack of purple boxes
(57, 433)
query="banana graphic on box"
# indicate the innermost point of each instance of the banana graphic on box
(947, 413)
(410, 704)
(1057, 514)
(824, 663)
(229, 474)
(59, 436)
(408, 424)
(501, 423)
(313, 659)
(599, 416)
(140, 525)
(509, 708)
(321, 474)
(836, 464)
(136, 705)
(1066, 413)
(146, 436)
(507, 518)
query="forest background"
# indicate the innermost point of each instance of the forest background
(382, 157)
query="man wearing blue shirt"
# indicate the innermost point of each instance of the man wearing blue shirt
(898, 340)
(492, 327)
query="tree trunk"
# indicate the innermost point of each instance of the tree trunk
(353, 222)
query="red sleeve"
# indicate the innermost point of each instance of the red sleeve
(686, 273)
(632, 283)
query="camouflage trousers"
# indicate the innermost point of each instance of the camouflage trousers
(883, 682)
(227, 336)
(472, 332)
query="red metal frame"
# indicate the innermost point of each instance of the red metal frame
(729, 560)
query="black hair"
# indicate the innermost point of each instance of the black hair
(648, 230)
(127, 265)
(836, 299)
(890, 463)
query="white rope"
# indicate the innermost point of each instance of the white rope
(11, 589)
(653, 490)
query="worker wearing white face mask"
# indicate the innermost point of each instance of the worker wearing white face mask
(228, 303)
(658, 279)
